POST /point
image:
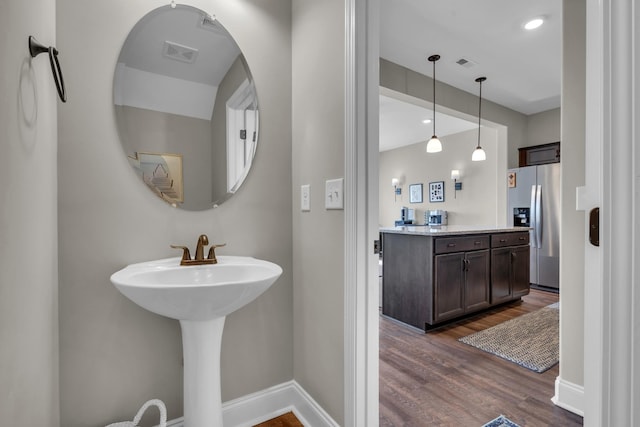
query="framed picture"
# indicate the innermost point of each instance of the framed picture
(162, 172)
(415, 193)
(436, 191)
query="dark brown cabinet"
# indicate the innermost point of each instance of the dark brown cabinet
(509, 267)
(461, 283)
(428, 280)
(448, 286)
(539, 154)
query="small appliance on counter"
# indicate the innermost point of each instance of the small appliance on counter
(435, 217)
(407, 216)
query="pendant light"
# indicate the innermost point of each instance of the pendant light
(479, 154)
(434, 145)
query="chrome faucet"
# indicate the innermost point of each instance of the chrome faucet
(199, 259)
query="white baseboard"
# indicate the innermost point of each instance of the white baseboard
(569, 396)
(264, 405)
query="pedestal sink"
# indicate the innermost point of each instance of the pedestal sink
(200, 297)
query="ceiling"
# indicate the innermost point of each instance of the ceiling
(523, 68)
(402, 123)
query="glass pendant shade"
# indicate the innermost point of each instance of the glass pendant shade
(434, 145)
(478, 155)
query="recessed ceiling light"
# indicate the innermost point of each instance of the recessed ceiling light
(426, 121)
(533, 24)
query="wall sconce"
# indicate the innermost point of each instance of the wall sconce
(455, 176)
(397, 189)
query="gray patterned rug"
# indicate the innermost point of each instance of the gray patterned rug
(530, 340)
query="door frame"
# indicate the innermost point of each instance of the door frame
(611, 379)
(612, 384)
(361, 298)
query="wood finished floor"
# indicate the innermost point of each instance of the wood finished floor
(434, 380)
(284, 420)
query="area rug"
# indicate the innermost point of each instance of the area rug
(501, 421)
(530, 340)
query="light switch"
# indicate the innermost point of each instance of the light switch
(333, 198)
(305, 198)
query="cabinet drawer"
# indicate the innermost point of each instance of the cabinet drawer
(461, 244)
(509, 239)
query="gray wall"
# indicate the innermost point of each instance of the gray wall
(28, 246)
(544, 127)
(157, 132)
(470, 206)
(572, 152)
(473, 205)
(406, 81)
(318, 235)
(115, 355)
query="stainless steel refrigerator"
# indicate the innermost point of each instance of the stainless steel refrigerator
(533, 200)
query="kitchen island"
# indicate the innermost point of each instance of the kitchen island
(433, 275)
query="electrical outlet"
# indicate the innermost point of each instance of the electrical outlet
(333, 198)
(305, 198)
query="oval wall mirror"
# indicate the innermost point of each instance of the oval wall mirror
(186, 107)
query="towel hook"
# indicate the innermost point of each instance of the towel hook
(35, 49)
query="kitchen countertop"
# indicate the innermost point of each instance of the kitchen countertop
(446, 230)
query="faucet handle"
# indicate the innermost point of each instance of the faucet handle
(212, 252)
(186, 255)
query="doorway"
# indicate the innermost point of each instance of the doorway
(607, 28)
(385, 184)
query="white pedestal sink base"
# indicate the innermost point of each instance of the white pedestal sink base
(193, 294)
(201, 343)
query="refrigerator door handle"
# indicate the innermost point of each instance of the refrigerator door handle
(533, 217)
(539, 216)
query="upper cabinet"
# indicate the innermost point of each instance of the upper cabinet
(539, 154)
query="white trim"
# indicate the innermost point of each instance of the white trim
(569, 396)
(267, 404)
(612, 377)
(595, 393)
(361, 212)
(240, 152)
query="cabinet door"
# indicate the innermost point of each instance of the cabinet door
(519, 271)
(476, 294)
(500, 275)
(448, 299)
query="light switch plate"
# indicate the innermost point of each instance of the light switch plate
(305, 198)
(334, 194)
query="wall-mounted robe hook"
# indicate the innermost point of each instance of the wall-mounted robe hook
(36, 49)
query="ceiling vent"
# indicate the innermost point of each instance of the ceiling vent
(466, 63)
(179, 52)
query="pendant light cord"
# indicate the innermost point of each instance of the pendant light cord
(434, 97)
(433, 59)
(479, 111)
(480, 80)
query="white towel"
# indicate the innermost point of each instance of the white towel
(153, 402)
